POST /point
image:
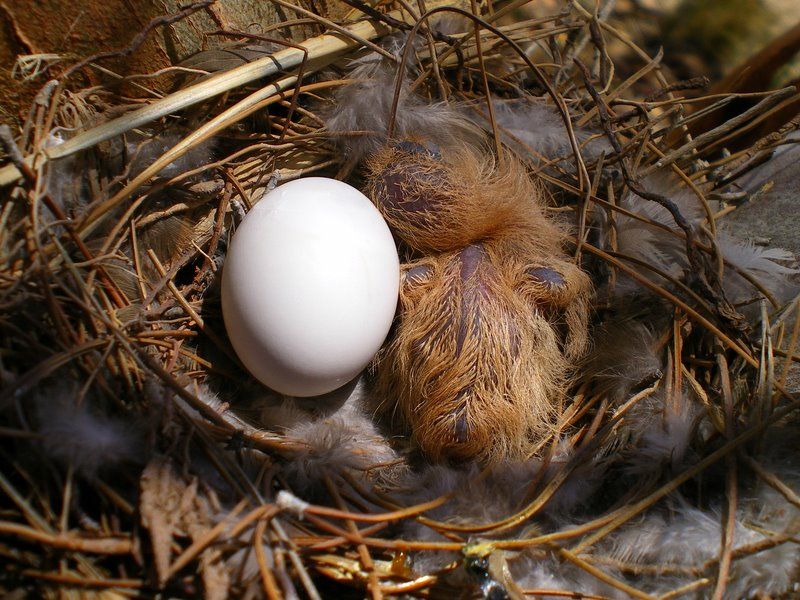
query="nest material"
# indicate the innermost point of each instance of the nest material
(139, 457)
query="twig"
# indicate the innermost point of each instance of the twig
(68, 542)
(709, 136)
(699, 271)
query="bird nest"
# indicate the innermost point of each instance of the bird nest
(139, 458)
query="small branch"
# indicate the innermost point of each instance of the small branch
(699, 272)
(68, 542)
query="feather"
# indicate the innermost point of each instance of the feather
(532, 127)
(647, 242)
(343, 439)
(552, 573)
(664, 548)
(144, 150)
(662, 433)
(365, 106)
(586, 476)
(84, 439)
(690, 537)
(475, 498)
(168, 237)
(652, 244)
(65, 180)
(283, 416)
(616, 370)
(678, 536)
(763, 264)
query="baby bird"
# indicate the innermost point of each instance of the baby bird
(492, 313)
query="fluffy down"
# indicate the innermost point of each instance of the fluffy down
(339, 436)
(532, 127)
(616, 370)
(667, 547)
(79, 437)
(492, 313)
(643, 240)
(362, 112)
(773, 268)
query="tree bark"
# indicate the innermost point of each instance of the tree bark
(76, 29)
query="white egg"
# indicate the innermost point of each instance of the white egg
(309, 286)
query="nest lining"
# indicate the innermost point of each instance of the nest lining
(139, 457)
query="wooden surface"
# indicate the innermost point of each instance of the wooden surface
(80, 28)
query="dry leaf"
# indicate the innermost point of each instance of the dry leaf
(171, 507)
(162, 493)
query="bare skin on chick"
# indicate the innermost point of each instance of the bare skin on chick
(492, 314)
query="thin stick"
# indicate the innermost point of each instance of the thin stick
(729, 125)
(729, 522)
(773, 480)
(110, 545)
(267, 580)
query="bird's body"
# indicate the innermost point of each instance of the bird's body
(492, 313)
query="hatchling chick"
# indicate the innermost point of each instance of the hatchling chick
(492, 313)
